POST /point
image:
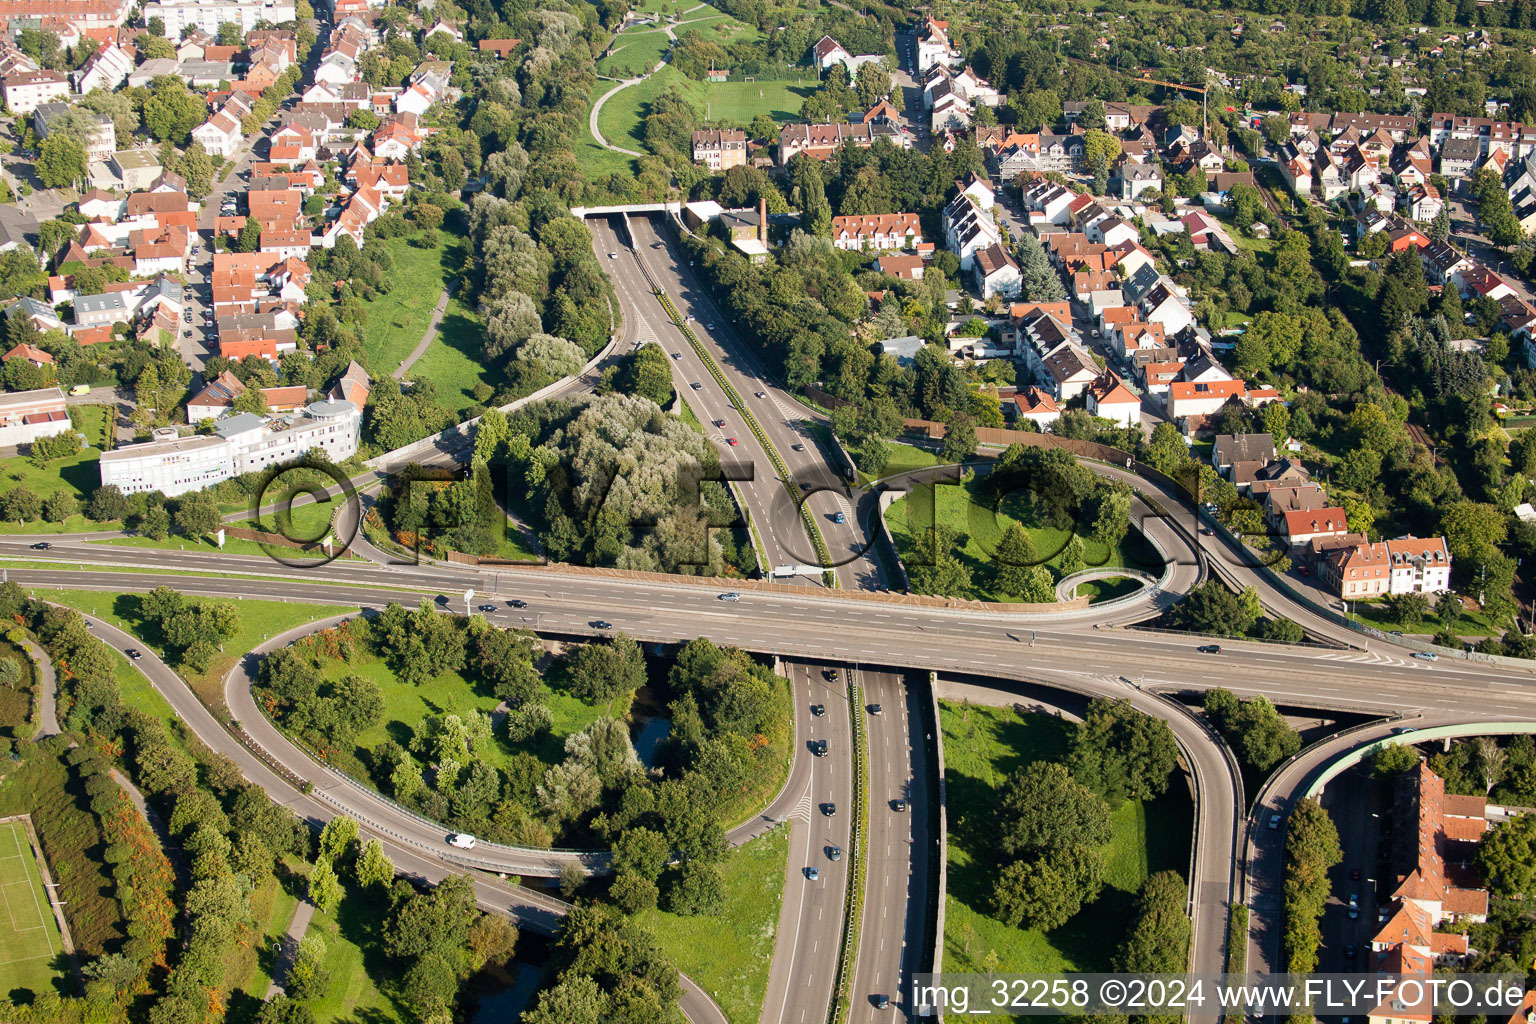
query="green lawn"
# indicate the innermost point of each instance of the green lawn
(729, 955)
(1104, 590)
(30, 944)
(259, 621)
(634, 52)
(1379, 614)
(904, 458)
(354, 957)
(405, 706)
(982, 746)
(77, 474)
(454, 362)
(93, 421)
(622, 117)
(249, 968)
(968, 511)
(397, 321)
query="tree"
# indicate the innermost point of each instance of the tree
(336, 837)
(282, 1010)
(1011, 563)
(197, 168)
(171, 111)
(1042, 807)
(1159, 937)
(324, 889)
(1506, 857)
(1032, 894)
(604, 671)
(959, 438)
(374, 868)
(249, 239)
(307, 976)
(60, 161)
(1119, 752)
(1212, 608)
(1393, 759)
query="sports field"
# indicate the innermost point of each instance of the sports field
(29, 933)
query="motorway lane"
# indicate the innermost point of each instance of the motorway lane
(782, 534)
(804, 966)
(781, 416)
(893, 937)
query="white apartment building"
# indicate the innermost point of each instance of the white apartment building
(242, 443)
(1419, 565)
(24, 90)
(209, 16)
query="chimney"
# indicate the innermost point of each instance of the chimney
(762, 220)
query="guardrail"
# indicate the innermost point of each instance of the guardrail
(1239, 809)
(795, 494)
(591, 860)
(853, 900)
(941, 820)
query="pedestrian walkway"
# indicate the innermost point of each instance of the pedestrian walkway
(47, 691)
(426, 337)
(296, 929)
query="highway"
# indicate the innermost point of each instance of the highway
(893, 936)
(804, 967)
(783, 418)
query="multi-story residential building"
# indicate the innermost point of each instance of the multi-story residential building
(1133, 179)
(1109, 398)
(968, 227)
(1356, 571)
(101, 143)
(1420, 565)
(877, 232)
(933, 45)
(82, 15)
(26, 416)
(822, 140)
(107, 69)
(996, 273)
(179, 16)
(720, 150)
(241, 443)
(24, 90)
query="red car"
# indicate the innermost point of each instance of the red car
(731, 441)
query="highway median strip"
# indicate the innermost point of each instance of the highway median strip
(795, 494)
(853, 905)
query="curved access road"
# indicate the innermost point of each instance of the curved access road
(529, 909)
(1264, 845)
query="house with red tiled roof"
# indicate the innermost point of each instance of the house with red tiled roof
(31, 353)
(877, 231)
(1434, 839)
(500, 47)
(1036, 405)
(353, 386)
(1108, 397)
(1303, 527)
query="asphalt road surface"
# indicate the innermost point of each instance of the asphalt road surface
(810, 934)
(893, 937)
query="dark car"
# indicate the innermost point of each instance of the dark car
(882, 1002)
(488, 608)
(41, 545)
(819, 748)
(133, 652)
(829, 808)
(876, 709)
(1210, 648)
(898, 805)
(829, 674)
(818, 710)
(600, 624)
(516, 603)
(696, 386)
(834, 853)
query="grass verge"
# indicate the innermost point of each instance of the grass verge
(982, 746)
(729, 955)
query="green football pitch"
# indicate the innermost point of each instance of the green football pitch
(29, 934)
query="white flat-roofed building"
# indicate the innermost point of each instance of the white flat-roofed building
(26, 416)
(242, 443)
(209, 16)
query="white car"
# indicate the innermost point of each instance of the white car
(463, 840)
(1425, 655)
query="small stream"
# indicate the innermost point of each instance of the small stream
(653, 732)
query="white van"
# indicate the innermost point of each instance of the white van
(463, 840)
